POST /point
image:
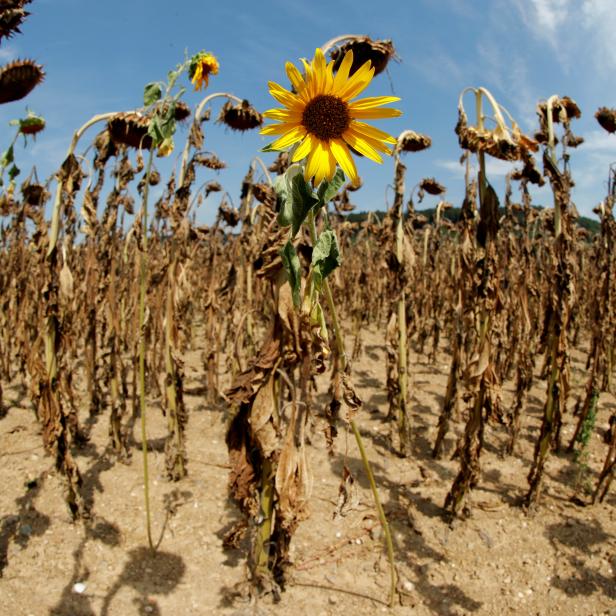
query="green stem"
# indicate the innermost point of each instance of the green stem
(364, 458)
(143, 273)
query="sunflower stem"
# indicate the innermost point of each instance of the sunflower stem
(143, 273)
(364, 458)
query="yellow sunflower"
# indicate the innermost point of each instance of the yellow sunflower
(202, 65)
(321, 117)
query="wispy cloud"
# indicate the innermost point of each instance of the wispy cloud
(438, 67)
(494, 167)
(8, 53)
(545, 17)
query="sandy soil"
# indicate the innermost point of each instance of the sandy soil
(561, 561)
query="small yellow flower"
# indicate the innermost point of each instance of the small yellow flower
(202, 65)
(322, 118)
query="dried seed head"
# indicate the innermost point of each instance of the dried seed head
(182, 111)
(281, 164)
(31, 125)
(410, 141)
(379, 52)
(154, 178)
(18, 79)
(564, 109)
(242, 116)
(229, 214)
(211, 161)
(497, 143)
(34, 193)
(211, 187)
(12, 15)
(573, 141)
(529, 172)
(265, 194)
(431, 186)
(607, 119)
(130, 129)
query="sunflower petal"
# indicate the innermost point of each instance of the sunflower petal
(284, 115)
(375, 114)
(295, 77)
(277, 129)
(374, 133)
(345, 160)
(357, 141)
(372, 101)
(358, 82)
(293, 136)
(304, 148)
(343, 72)
(284, 97)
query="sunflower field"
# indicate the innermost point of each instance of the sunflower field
(303, 408)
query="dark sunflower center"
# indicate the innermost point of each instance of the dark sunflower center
(326, 116)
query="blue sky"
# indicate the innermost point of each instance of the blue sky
(98, 56)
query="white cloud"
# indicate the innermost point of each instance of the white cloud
(438, 67)
(600, 19)
(494, 167)
(8, 53)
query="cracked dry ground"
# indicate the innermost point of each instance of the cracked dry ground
(562, 560)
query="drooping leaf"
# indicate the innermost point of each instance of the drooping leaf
(325, 257)
(13, 171)
(7, 158)
(296, 199)
(151, 93)
(291, 264)
(329, 188)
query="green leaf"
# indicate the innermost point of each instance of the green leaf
(7, 158)
(268, 148)
(13, 172)
(155, 130)
(151, 93)
(325, 257)
(168, 121)
(295, 199)
(290, 262)
(328, 189)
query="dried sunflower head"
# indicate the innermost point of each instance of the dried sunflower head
(229, 214)
(564, 109)
(281, 164)
(242, 116)
(502, 142)
(34, 193)
(31, 124)
(410, 141)
(529, 172)
(12, 15)
(607, 119)
(379, 52)
(211, 161)
(431, 186)
(130, 129)
(18, 79)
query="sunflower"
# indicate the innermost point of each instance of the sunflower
(321, 118)
(202, 65)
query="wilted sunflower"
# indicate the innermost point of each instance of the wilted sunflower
(320, 117)
(202, 65)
